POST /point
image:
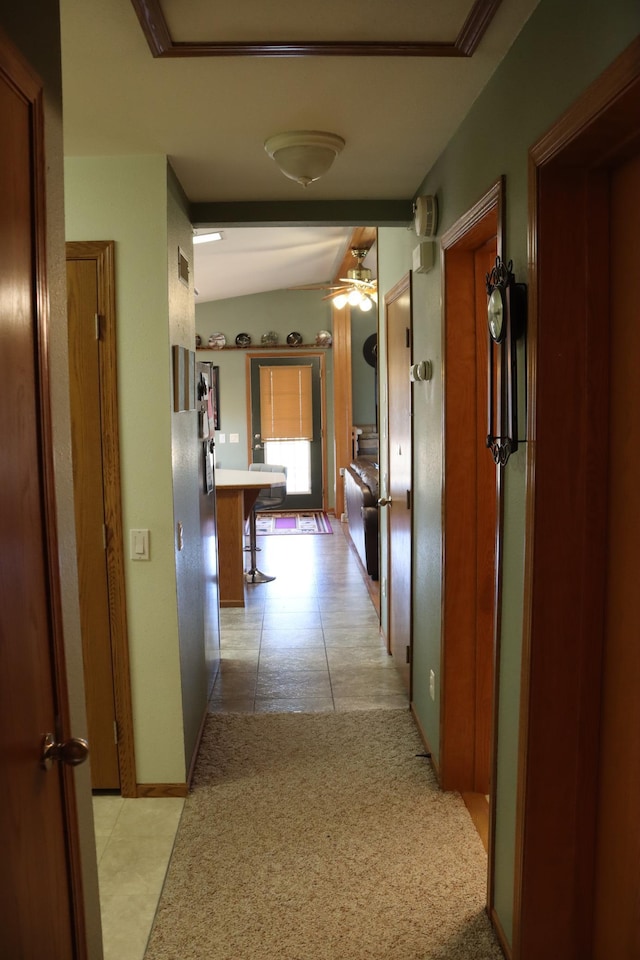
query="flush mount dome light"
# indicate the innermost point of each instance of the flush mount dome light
(304, 155)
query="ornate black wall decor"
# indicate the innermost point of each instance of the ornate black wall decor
(506, 315)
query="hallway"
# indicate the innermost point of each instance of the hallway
(308, 642)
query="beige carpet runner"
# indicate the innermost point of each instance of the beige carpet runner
(321, 837)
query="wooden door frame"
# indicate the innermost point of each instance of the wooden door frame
(566, 513)
(103, 253)
(276, 354)
(483, 222)
(342, 378)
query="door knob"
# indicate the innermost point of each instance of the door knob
(257, 446)
(384, 501)
(73, 752)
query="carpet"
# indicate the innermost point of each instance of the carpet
(313, 521)
(321, 837)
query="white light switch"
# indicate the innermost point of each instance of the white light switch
(234, 438)
(222, 438)
(139, 544)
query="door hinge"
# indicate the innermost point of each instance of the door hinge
(104, 536)
(408, 499)
(97, 320)
(408, 653)
(115, 731)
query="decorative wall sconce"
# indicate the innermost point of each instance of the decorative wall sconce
(506, 319)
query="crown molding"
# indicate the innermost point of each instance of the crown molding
(161, 43)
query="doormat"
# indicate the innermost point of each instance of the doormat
(275, 524)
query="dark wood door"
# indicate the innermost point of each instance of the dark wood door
(398, 313)
(617, 899)
(91, 527)
(37, 826)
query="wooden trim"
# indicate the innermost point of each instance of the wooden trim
(161, 44)
(499, 932)
(566, 513)
(476, 25)
(483, 221)
(478, 806)
(581, 131)
(361, 237)
(162, 790)
(342, 400)
(467, 232)
(103, 253)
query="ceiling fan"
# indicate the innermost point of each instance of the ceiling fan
(358, 289)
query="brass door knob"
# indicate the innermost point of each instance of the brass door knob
(73, 752)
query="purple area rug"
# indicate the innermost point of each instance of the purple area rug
(274, 524)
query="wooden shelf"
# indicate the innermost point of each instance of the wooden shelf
(265, 346)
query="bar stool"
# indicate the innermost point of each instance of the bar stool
(269, 498)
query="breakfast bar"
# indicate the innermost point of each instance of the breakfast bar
(236, 493)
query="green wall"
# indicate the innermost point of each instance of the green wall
(132, 201)
(363, 388)
(562, 48)
(282, 311)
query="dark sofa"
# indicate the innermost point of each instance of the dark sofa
(361, 496)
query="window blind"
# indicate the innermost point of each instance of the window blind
(286, 411)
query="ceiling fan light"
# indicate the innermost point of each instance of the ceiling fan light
(366, 304)
(354, 298)
(340, 301)
(304, 155)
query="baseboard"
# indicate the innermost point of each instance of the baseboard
(162, 790)
(478, 807)
(425, 741)
(500, 934)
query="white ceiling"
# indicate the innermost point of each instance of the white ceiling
(211, 115)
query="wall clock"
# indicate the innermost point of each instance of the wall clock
(506, 315)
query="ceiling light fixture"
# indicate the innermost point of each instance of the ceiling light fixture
(207, 237)
(304, 155)
(359, 287)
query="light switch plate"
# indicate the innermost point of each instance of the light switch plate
(139, 544)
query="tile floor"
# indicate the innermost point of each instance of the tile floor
(308, 641)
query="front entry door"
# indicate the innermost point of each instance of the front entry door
(286, 424)
(38, 916)
(398, 311)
